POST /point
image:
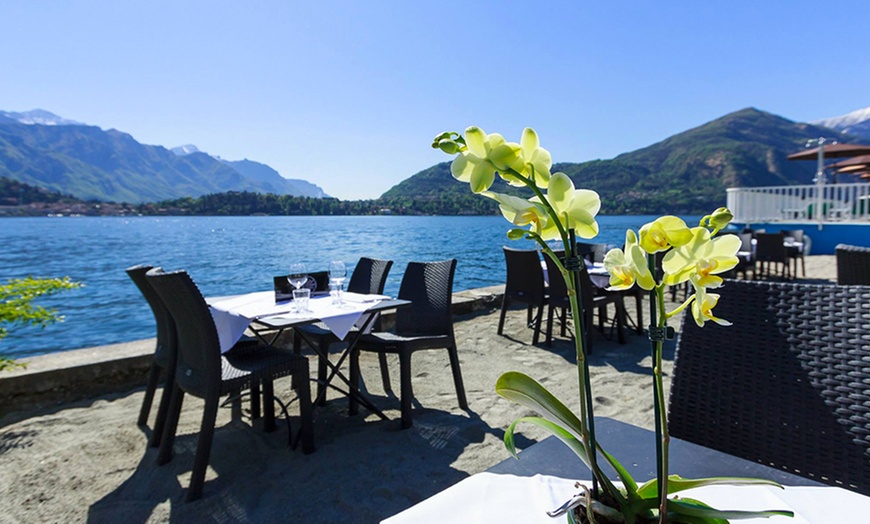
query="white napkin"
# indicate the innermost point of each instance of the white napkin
(233, 315)
(350, 296)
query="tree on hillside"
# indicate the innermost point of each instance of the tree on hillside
(17, 308)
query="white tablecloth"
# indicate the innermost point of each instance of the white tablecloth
(488, 497)
(232, 316)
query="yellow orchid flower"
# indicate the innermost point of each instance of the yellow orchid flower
(701, 259)
(473, 165)
(702, 307)
(627, 266)
(663, 233)
(527, 158)
(576, 208)
(519, 211)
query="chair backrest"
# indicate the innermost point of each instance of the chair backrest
(525, 276)
(558, 290)
(429, 287)
(592, 252)
(746, 242)
(198, 371)
(853, 265)
(769, 247)
(369, 276)
(796, 234)
(164, 352)
(786, 385)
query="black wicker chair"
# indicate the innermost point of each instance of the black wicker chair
(853, 265)
(369, 277)
(593, 252)
(203, 372)
(794, 253)
(593, 298)
(770, 249)
(746, 256)
(525, 284)
(427, 323)
(164, 355)
(786, 385)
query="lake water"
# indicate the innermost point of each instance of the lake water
(229, 255)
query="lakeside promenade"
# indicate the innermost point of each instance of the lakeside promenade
(87, 461)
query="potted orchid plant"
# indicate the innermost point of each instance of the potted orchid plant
(559, 211)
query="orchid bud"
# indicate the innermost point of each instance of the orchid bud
(721, 218)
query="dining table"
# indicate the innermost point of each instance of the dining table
(545, 476)
(267, 318)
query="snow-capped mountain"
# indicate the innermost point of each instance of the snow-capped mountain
(40, 117)
(186, 149)
(855, 123)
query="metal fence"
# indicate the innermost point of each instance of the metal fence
(823, 203)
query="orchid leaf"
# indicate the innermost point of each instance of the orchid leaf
(696, 508)
(524, 390)
(628, 481)
(676, 484)
(561, 433)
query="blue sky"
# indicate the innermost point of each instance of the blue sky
(348, 95)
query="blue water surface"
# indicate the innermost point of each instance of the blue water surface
(229, 255)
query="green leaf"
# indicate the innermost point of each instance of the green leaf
(561, 433)
(696, 508)
(627, 480)
(522, 389)
(677, 484)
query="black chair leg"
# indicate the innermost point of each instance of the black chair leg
(322, 370)
(457, 376)
(268, 406)
(164, 455)
(638, 302)
(504, 304)
(162, 409)
(385, 372)
(255, 401)
(407, 393)
(203, 449)
(538, 321)
(306, 412)
(549, 325)
(150, 388)
(564, 320)
(352, 402)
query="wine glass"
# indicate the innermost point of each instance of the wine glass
(298, 275)
(337, 276)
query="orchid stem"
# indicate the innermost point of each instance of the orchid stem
(654, 324)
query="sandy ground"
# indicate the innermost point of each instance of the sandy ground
(89, 461)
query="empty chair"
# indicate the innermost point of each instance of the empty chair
(427, 323)
(593, 252)
(164, 355)
(785, 385)
(770, 249)
(795, 252)
(369, 277)
(593, 298)
(745, 256)
(853, 265)
(524, 284)
(203, 372)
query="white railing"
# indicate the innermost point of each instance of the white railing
(837, 202)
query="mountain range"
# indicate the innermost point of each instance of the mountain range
(856, 123)
(685, 173)
(44, 150)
